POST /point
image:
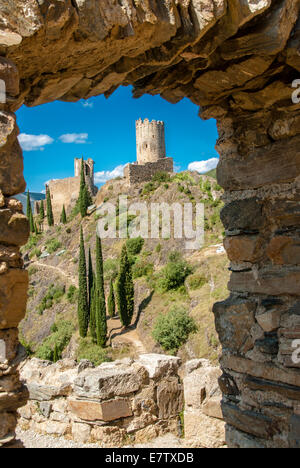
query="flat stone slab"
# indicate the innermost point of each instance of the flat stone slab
(104, 411)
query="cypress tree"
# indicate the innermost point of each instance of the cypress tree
(111, 303)
(63, 217)
(90, 276)
(29, 213)
(101, 324)
(82, 192)
(56, 353)
(93, 303)
(129, 292)
(125, 290)
(42, 211)
(84, 199)
(99, 265)
(83, 306)
(50, 217)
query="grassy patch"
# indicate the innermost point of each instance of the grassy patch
(60, 337)
(92, 352)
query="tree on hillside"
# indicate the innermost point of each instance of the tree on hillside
(90, 276)
(125, 290)
(83, 306)
(93, 302)
(63, 217)
(50, 216)
(42, 211)
(101, 323)
(99, 265)
(111, 303)
(84, 199)
(29, 213)
(56, 353)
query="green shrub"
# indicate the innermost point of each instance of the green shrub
(32, 242)
(148, 188)
(172, 330)
(110, 268)
(161, 176)
(72, 294)
(142, 268)
(52, 245)
(158, 248)
(134, 246)
(53, 296)
(35, 253)
(92, 352)
(196, 281)
(174, 274)
(184, 177)
(60, 338)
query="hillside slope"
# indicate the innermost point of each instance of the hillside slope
(52, 258)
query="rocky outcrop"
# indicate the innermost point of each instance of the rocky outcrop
(111, 404)
(238, 61)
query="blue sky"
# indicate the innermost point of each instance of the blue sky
(104, 129)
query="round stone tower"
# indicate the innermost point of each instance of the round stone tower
(150, 141)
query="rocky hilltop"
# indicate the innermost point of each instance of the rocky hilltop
(52, 260)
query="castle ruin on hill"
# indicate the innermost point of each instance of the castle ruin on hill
(65, 192)
(151, 152)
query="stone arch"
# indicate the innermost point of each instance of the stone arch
(237, 60)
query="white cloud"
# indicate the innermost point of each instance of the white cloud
(103, 176)
(77, 138)
(34, 142)
(87, 104)
(203, 166)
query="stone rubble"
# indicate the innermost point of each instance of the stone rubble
(123, 401)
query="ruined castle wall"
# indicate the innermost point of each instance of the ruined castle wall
(136, 174)
(150, 140)
(63, 192)
(108, 404)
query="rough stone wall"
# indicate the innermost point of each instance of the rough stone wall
(258, 323)
(136, 174)
(150, 141)
(14, 231)
(63, 192)
(237, 60)
(125, 401)
(66, 191)
(112, 404)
